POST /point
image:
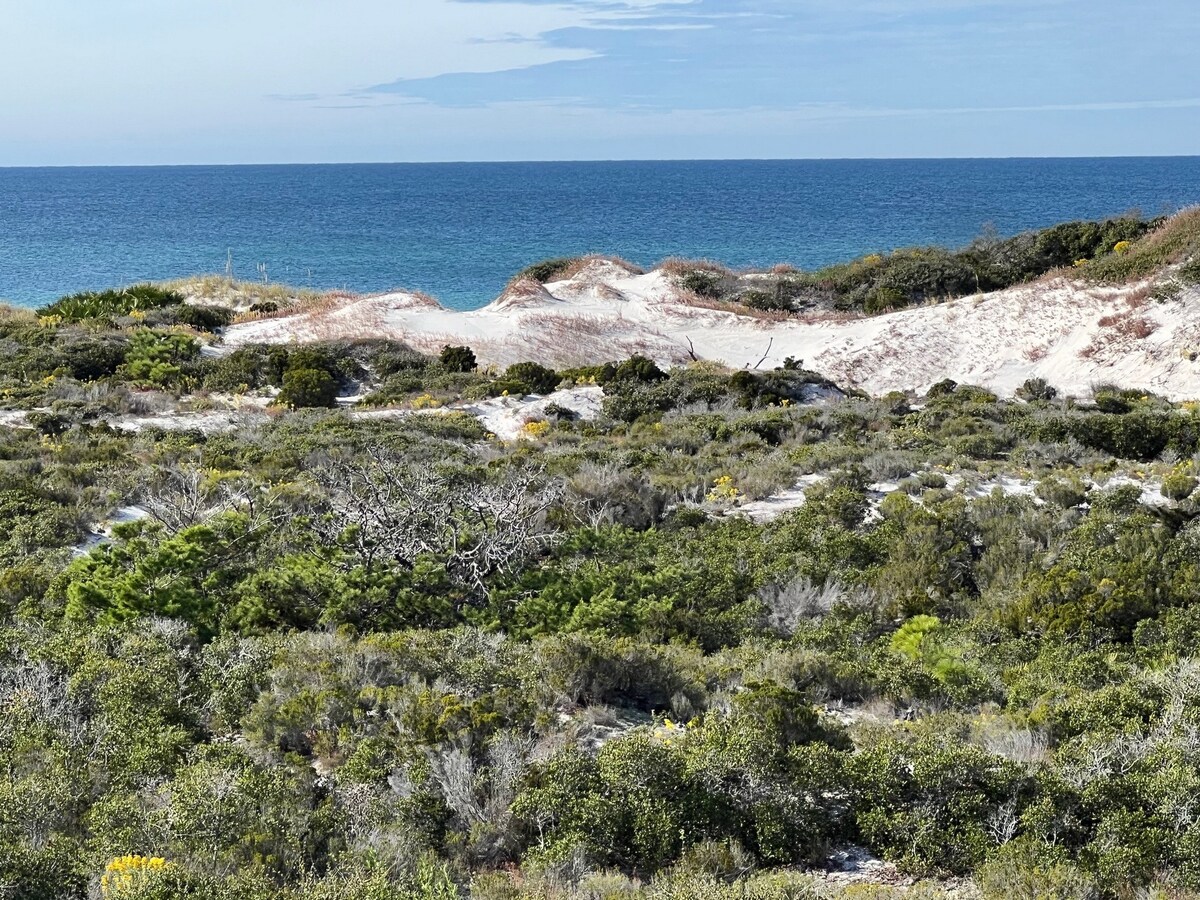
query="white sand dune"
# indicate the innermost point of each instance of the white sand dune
(1073, 334)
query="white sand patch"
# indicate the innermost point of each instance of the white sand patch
(770, 508)
(855, 865)
(1070, 333)
(1006, 485)
(210, 422)
(102, 532)
(506, 417)
(1151, 491)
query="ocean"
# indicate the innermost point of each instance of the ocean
(460, 231)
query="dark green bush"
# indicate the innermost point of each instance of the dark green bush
(307, 388)
(201, 317)
(112, 303)
(547, 270)
(1036, 389)
(703, 282)
(529, 378)
(457, 359)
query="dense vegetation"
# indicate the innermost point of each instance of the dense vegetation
(1115, 249)
(377, 652)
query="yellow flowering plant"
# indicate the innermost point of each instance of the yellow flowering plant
(723, 490)
(125, 873)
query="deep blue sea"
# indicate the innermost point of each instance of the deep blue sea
(460, 231)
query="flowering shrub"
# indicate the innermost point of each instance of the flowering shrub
(124, 873)
(536, 429)
(723, 490)
(1121, 248)
(426, 401)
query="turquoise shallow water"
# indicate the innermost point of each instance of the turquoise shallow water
(459, 231)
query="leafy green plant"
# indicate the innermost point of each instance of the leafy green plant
(307, 387)
(111, 303)
(157, 358)
(457, 359)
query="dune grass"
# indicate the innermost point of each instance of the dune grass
(1175, 241)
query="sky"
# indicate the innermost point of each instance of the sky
(133, 82)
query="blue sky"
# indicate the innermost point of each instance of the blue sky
(228, 81)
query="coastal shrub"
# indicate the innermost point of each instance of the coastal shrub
(774, 300)
(202, 317)
(457, 359)
(245, 368)
(637, 368)
(962, 787)
(529, 378)
(703, 282)
(111, 303)
(943, 388)
(308, 388)
(1179, 486)
(1190, 271)
(1164, 242)
(386, 358)
(157, 358)
(1036, 389)
(880, 282)
(547, 270)
(1138, 434)
(628, 401)
(93, 357)
(1026, 869)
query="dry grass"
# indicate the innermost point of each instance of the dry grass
(314, 304)
(1139, 297)
(522, 292)
(688, 298)
(1119, 328)
(17, 315)
(1126, 325)
(1173, 243)
(829, 317)
(578, 266)
(224, 290)
(677, 266)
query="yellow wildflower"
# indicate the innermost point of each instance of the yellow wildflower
(123, 873)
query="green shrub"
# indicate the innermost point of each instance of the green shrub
(308, 388)
(547, 270)
(457, 359)
(245, 368)
(530, 378)
(112, 303)
(1029, 870)
(637, 368)
(703, 283)
(93, 357)
(1036, 389)
(1179, 486)
(157, 358)
(201, 317)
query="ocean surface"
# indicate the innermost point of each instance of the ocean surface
(460, 231)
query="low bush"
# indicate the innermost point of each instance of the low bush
(457, 359)
(308, 387)
(112, 303)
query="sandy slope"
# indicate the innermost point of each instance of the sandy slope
(1072, 334)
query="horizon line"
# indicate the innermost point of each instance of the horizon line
(597, 160)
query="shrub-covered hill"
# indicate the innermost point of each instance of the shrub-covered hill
(1110, 250)
(696, 633)
(1129, 313)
